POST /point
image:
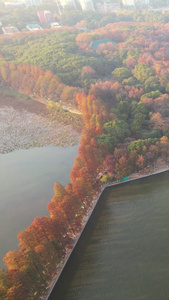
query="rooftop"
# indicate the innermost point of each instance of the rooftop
(32, 27)
(9, 30)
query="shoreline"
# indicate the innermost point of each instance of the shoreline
(95, 201)
(27, 123)
(23, 130)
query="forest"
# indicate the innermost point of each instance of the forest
(58, 52)
(122, 90)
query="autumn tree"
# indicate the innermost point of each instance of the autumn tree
(83, 40)
(140, 162)
(157, 121)
(4, 285)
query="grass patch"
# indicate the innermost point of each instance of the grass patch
(66, 118)
(8, 91)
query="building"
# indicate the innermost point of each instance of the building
(63, 3)
(107, 7)
(32, 2)
(14, 3)
(128, 2)
(45, 16)
(33, 27)
(87, 5)
(2, 4)
(143, 2)
(55, 25)
(9, 30)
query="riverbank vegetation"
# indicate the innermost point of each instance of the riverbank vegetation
(126, 129)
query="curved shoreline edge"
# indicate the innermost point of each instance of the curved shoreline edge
(95, 201)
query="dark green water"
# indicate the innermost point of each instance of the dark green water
(127, 255)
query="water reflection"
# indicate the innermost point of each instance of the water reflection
(26, 186)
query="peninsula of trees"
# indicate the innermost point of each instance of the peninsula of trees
(122, 90)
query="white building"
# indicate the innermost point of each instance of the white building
(9, 30)
(107, 7)
(146, 2)
(128, 2)
(55, 25)
(64, 3)
(32, 2)
(14, 3)
(141, 2)
(87, 5)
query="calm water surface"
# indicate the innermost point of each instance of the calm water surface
(27, 178)
(127, 254)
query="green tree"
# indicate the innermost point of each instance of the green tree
(121, 73)
(117, 129)
(152, 94)
(130, 81)
(152, 84)
(142, 72)
(108, 141)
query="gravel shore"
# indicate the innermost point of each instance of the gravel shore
(20, 129)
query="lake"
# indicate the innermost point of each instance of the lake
(27, 178)
(126, 250)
